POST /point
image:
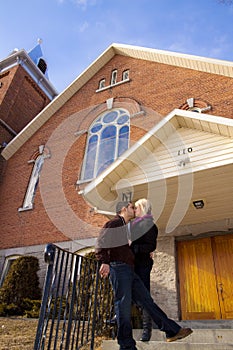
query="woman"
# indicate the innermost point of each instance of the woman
(144, 234)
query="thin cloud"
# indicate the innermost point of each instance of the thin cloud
(83, 27)
(183, 44)
(84, 3)
(221, 45)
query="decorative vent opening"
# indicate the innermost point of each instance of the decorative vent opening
(42, 65)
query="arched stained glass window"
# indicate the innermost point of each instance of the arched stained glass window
(108, 138)
(90, 157)
(123, 139)
(107, 148)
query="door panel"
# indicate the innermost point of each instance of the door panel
(206, 277)
(198, 294)
(223, 257)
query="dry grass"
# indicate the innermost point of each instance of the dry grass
(19, 334)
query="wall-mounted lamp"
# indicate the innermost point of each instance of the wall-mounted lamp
(198, 204)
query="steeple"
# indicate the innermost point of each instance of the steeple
(25, 90)
(37, 57)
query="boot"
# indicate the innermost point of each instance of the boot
(147, 326)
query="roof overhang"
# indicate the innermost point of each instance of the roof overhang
(186, 157)
(20, 57)
(208, 65)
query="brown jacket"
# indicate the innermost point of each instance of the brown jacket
(112, 243)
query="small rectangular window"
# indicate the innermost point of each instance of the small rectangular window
(114, 77)
(102, 84)
(125, 75)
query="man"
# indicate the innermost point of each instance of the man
(117, 259)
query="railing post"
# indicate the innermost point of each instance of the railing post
(95, 306)
(73, 293)
(49, 255)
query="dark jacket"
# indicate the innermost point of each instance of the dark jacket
(144, 235)
(112, 243)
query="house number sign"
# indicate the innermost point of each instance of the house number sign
(183, 151)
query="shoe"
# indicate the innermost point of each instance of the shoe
(183, 333)
(146, 335)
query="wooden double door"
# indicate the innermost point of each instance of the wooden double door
(206, 278)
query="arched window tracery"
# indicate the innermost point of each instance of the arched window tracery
(108, 138)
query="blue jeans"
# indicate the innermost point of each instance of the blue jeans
(128, 288)
(144, 273)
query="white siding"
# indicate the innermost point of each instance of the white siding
(202, 150)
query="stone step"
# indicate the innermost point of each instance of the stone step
(179, 345)
(207, 324)
(198, 335)
(200, 339)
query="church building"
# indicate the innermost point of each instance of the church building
(137, 123)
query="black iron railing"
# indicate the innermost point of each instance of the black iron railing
(77, 305)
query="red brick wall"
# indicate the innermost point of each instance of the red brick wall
(20, 100)
(157, 88)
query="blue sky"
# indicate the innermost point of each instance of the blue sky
(76, 32)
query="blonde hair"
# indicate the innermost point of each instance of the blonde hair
(144, 205)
